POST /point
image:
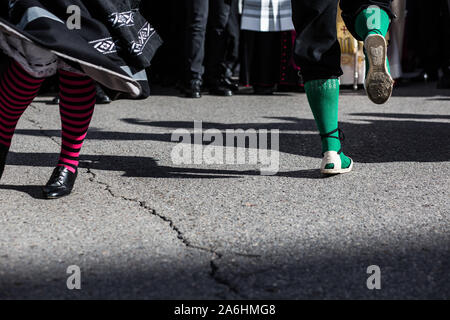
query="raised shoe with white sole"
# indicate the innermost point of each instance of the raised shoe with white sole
(334, 159)
(379, 83)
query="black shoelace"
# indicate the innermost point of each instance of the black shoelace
(340, 137)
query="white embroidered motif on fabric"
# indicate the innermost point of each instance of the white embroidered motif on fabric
(136, 48)
(122, 19)
(146, 32)
(105, 46)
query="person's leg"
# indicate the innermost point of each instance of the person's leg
(316, 50)
(266, 62)
(232, 49)
(351, 13)
(196, 21)
(318, 54)
(77, 103)
(444, 25)
(369, 21)
(216, 40)
(77, 93)
(232, 34)
(247, 46)
(17, 91)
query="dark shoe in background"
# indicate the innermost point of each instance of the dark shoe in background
(60, 184)
(102, 97)
(3, 155)
(193, 89)
(263, 90)
(444, 80)
(220, 88)
(232, 84)
(444, 83)
(55, 100)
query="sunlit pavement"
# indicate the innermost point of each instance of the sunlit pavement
(141, 226)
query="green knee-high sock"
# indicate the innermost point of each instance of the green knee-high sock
(323, 98)
(372, 20)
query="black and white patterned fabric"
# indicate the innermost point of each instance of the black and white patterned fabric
(114, 44)
(267, 15)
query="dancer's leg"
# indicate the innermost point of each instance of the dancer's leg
(323, 98)
(17, 91)
(78, 95)
(319, 60)
(77, 103)
(369, 22)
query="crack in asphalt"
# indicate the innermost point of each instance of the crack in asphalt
(216, 255)
(41, 128)
(214, 273)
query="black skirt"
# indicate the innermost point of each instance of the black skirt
(267, 59)
(114, 43)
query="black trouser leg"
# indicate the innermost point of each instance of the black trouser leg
(317, 50)
(233, 34)
(445, 25)
(197, 18)
(219, 13)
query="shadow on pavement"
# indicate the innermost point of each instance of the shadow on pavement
(408, 271)
(373, 141)
(419, 89)
(368, 141)
(137, 167)
(412, 267)
(33, 191)
(403, 115)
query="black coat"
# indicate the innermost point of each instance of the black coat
(113, 45)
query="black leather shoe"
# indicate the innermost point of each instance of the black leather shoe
(193, 89)
(232, 85)
(102, 97)
(220, 88)
(55, 100)
(3, 154)
(60, 184)
(444, 80)
(264, 91)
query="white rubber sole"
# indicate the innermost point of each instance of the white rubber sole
(379, 83)
(337, 171)
(334, 158)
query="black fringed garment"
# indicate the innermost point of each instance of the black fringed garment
(113, 45)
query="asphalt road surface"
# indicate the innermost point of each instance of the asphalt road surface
(141, 225)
